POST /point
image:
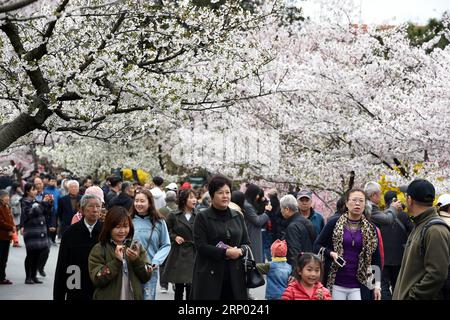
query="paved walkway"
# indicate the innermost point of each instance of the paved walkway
(15, 271)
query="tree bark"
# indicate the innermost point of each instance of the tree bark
(20, 126)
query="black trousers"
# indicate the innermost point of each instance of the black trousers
(179, 290)
(31, 262)
(4, 252)
(162, 279)
(42, 260)
(388, 279)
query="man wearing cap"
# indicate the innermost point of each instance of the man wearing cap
(444, 207)
(423, 272)
(72, 280)
(304, 199)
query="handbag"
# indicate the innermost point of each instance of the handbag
(253, 278)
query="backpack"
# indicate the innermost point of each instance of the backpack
(446, 288)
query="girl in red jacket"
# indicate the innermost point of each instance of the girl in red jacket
(307, 285)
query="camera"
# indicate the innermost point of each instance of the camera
(340, 262)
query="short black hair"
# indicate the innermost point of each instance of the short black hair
(238, 197)
(158, 181)
(115, 180)
(217, 182)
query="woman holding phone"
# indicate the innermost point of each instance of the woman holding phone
(350, 246)
(116, 267)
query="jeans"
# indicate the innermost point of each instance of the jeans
(342, 293)
(149, 288)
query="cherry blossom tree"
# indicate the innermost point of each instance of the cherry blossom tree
(111, 69)
(323, 103)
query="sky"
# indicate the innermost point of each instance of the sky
(395, 11)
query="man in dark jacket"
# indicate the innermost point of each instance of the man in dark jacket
(72, 280)
(304, 198)
(299, 233)
(394, 239)
(68, 205)
(425, 261)
(378, 217)
(126, 196)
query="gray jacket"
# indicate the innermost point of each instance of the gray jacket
(254, 224)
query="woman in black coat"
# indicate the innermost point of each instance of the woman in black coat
(219, 233)
(34, 230)
(180, 262)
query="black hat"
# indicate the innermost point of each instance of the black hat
(421, 190)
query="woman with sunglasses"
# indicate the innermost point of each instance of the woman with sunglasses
(350, 246)
(152, 233)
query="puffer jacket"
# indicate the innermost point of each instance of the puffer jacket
(295, 291)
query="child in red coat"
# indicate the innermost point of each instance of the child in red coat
(307, 286)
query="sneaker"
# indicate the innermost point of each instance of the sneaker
(29, 281)
(5, 281)
(163, 290)
(42, 273)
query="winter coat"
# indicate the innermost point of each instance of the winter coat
(295, 291)
(381, 218)
(210, 262)
(66, 212)
(34, 223)
(299, 235)
(316, 219)
(105, 271)
(76, 244)
(180, 263)
(6, 222)
(254, 224)
(394, 239)
(422, 276)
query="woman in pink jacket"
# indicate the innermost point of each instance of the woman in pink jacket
(307, 285)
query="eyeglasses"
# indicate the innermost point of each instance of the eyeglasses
(355, 200)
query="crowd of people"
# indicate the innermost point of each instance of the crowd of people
(119, 239)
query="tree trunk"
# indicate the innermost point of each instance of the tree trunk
(20, 126)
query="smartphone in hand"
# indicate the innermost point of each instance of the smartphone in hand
(340, 262)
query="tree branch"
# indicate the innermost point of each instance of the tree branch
(16, 5)
(41, 50)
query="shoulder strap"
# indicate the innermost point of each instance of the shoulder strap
(150, 238)
(425, 228)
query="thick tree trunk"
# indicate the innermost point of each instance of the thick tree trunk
(20, 126)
